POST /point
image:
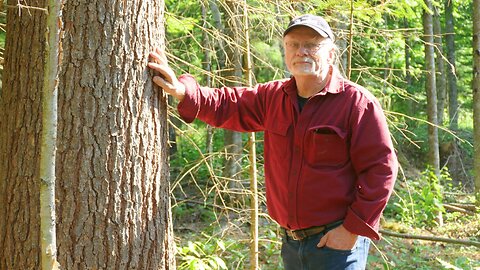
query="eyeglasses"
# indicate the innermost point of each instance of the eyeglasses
(310, 46)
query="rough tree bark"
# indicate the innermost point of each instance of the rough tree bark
(114, 210)
(20, 105)
(112, 173)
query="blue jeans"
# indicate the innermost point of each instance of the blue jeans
(305, 255)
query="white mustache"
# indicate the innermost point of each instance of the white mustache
(305, 59)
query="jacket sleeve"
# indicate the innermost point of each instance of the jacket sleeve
(375, 163)
(235, 108)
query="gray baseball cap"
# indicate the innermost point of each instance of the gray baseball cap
(317, 23)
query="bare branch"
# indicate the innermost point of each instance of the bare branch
(432, 238)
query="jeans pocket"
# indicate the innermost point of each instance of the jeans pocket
(340, 251)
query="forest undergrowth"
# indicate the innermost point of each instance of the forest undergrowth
(212, 217)
(204, 242)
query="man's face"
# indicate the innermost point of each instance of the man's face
(307, 53)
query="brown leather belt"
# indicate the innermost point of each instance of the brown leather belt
(298, 235)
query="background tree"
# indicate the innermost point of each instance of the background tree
(381, 61)
(476, 94)
(112, 173)
(451, 68)
(439, 65)
(382, 30)
(232, 74)
(430, 87)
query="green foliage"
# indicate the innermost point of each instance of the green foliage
(382, 32)
(2, 39)
(202, 255)
(420, 201)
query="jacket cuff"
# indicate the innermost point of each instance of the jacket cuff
(189, 107)
(356, 225)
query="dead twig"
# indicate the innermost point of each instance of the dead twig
(469, 207)
(432, 238)
(20, 6)
(456, 208)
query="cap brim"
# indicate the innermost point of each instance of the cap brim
(319, 31)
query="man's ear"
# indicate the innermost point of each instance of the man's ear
(331, 56)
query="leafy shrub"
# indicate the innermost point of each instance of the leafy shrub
(418, 201)
(202, 256)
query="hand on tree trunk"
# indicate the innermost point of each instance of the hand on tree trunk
(167, 80)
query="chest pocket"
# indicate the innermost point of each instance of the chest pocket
(327, 146)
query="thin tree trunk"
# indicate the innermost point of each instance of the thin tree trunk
(434, 159)
(49, 137)
(254, 263)
(350, 42)
(207, 66)
(233, 74)
(454, 166)
(386, 71)
(341, 41)
(476, 95)
(408, 75)
(286, 72)
(451, 67)
(431, 90)
(440, 67)
(172, 135)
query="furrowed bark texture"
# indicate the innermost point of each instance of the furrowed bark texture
(113, 210)
(20, 126)
(112, 189)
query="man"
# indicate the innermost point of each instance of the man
(330, 165)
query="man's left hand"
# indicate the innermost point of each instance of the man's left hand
(338, 238)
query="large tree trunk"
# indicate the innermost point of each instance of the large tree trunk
(476, 95)
(20, 127)
(113, 209)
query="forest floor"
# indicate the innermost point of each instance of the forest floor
(399, 253)
(202, 243)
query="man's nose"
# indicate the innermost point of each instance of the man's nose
(302, 50)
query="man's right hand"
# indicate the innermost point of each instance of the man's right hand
(167, 79)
